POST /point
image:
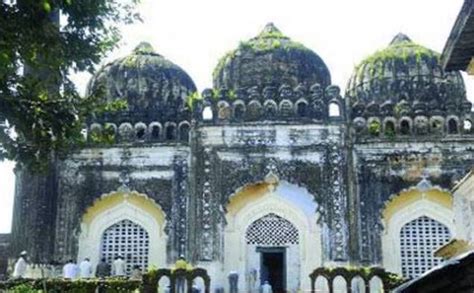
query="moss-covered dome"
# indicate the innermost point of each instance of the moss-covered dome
(405, 71)
(270, 59)
(154, 87)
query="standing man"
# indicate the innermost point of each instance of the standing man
(180, 264)
(70, 270)
(20, 266)
(85, 269)
(102, 270)
(136, 273)
(119, 266)
(266, 287)
(233, 282)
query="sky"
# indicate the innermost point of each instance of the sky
(195, 34)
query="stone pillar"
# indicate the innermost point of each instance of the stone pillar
(34, 215)
(180, 206)
(337, 218)
(207, 237)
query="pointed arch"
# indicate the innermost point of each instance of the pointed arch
(114, 208)
(128, 239)
(183, 131)
(283, 204)
(407, 206)
(273, 230)
(334, 109)
(155, 131)
(419, 239)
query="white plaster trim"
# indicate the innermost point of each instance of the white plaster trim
(310, 252)
(90, 238)
(464, 206)
(391, 236)
(415, 189)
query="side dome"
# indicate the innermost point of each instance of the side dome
(270, 59)
(409, 74)
(154, 87)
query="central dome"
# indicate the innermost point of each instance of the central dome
(270, 59)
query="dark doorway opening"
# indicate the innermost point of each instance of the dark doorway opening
(273, 268)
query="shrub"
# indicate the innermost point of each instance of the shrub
(111, 285)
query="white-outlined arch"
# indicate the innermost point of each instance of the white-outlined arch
(433, 203)
(115, 207)
(272, 202)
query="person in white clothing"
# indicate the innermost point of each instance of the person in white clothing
(70, 270)
(85, 268)
(266, 287)
(20, 266)
(119, 266)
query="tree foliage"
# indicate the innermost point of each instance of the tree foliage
(41, 111)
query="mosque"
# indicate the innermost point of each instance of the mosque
(271, 174)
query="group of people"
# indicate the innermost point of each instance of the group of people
(119, 268)
(84, 270)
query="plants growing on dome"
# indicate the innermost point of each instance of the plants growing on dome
(192, 99)
(268, 40)
(374, 128)
(403, 51)
(389, 131)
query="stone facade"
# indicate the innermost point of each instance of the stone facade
(4, 247)
(197, 170)
(464, 205)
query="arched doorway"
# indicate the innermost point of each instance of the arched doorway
(272, 243)
(272, 227)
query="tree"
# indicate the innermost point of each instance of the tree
(41, 112)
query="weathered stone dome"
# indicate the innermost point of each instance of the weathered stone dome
(270, 59)
(154, 87)
(409, 72)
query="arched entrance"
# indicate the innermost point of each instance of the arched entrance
(417, 221)
(272, 235)
(130, 224)
(419, 238)
(272, 244)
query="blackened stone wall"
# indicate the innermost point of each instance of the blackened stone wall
(34, 212)
(154, 170)
(384, 169)
(4, 247)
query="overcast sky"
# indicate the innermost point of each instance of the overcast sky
(195, 34)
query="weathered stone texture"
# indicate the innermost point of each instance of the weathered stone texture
(269, 118)
(152, 85)
(4, 253)
(88, 175)
(270, 59)
(385, 169)
(34, 215)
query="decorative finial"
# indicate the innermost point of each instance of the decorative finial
(272, 180)
(400, 38)
(124, 179)
(425, 183)
(270, 31)
(144, 48)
